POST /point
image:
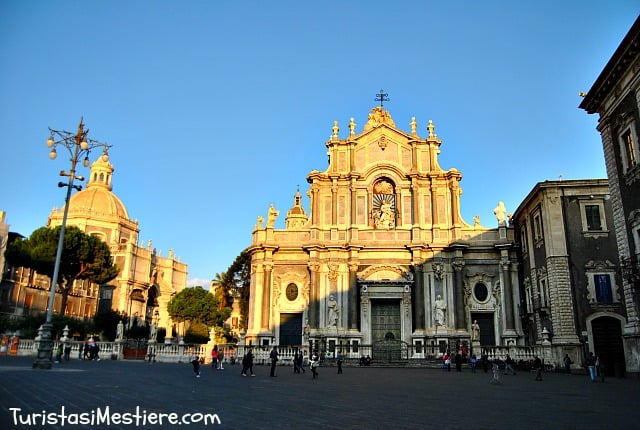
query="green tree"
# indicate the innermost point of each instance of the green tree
(106, 322)
(238, 275)
(221, 285)
(83, 257)
(197, 305)
(197, 333)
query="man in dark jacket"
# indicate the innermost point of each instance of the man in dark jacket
(274, 359)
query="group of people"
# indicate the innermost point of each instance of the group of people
(89, 351)
(60, 350)
(365, 361)
(596, 367)
(217, 358)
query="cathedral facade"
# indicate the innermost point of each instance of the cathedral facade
(384, 254)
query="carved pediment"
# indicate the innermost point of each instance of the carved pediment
(385, 273)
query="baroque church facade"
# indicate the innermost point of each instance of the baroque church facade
(146, 281)
(384, 253)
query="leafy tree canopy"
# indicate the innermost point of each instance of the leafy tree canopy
(197, 305)
(83, 257)
(238, 276)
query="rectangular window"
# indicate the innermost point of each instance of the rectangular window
(537, 227)
(630, 149)
(544, 294)
(523, 239)
(592, 214)
(603, 288)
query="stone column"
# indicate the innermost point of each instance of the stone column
(266, 297)
(334, 201)
(419, 297)
(458, 265)
(508, 295)
(352, 298)
(314, 305)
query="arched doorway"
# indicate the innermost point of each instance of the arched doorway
(607, 344)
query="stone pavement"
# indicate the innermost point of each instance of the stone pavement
(366, 398)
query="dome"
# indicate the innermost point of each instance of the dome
(99, 201)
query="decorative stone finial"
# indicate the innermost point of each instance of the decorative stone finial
(413, 125)
(336, 129)
(352, 127)
(431, 128)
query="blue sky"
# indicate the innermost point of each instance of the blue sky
(216, 109)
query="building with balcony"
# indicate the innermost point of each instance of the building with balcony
(571, 288)
(615, 97)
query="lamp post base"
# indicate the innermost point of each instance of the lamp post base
(45, 348)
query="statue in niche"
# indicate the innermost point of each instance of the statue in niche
(384, 218)
(475, 330)
(334, 312)
(439, 308)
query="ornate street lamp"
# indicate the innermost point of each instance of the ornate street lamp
(79, 147)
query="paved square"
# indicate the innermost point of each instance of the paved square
(367, 398)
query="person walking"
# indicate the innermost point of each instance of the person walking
(446, 361)
(220, 359)
(567, 364)
(274, 360)
(537, 366)
(314, 362)
(339, 363)
(301, 362)
(247, 363)
(474, 363)
(600, 368)
(59, 353)
(296, 357)
(591, 365)
(196, 366)
(508, 365)
(458, 360)
(67, 352)
(214, 357)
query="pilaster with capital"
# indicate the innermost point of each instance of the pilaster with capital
(419, 323)
(266, 296)
(314, 304)
(352, 297)
(458, 265)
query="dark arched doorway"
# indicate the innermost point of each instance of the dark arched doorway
(607, 344)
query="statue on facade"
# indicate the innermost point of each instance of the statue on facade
(306, 330)
(475, 330)
(153, 332)
(334, 312)
(271, 218)
(119, 330)
(439, 308)
(501, 212)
